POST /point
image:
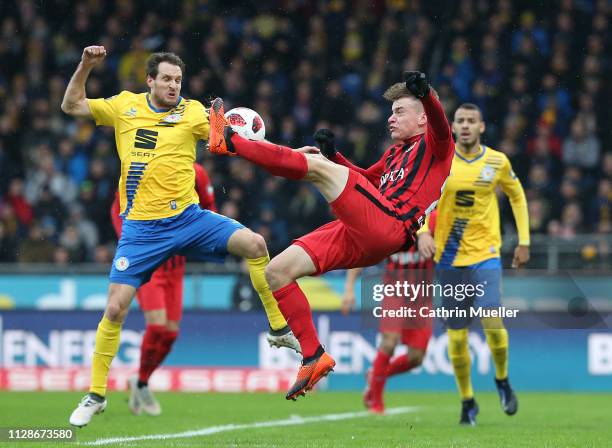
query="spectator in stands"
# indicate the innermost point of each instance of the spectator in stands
(36, 248)
(8, 245)
(581, 148)
(601, 208)
(16, 198)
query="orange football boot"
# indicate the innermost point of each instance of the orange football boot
(310, 374)
(217, 143)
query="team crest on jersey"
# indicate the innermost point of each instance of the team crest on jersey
(131, 112)
(488, 173)
(173, 205)
(122, 263)
(172, 118)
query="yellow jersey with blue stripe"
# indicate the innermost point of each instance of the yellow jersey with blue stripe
(468, 227)
(157, 149)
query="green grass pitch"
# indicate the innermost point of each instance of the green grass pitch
(325, 419)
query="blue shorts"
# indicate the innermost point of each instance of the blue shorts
(475, 286)
(199, 234)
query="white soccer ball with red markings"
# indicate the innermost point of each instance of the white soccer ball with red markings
(247, 123)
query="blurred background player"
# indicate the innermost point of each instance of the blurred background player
(161, 300)
(379, 209)
(467, 247)
(156, 135)
(408, 266)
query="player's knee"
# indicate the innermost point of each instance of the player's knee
(172, 325)
(388, 342)
(277, 275)
(114, 311)
(256, 246)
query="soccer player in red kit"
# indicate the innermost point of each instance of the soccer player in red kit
(161, 300)
(379, 209)
(414, 332)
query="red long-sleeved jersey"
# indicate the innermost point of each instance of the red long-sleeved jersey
(411, 174)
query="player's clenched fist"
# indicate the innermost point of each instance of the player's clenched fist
(416, 83)
(93, 55)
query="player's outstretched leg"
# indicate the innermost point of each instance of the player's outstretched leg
(107, 345)
(283, 270)
(276, 159)
(329, 178)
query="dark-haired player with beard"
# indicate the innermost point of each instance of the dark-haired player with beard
(466, 244)
(156, 134)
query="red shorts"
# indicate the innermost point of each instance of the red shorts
(415, 330)
(365, 233)
(165, 289)
(416, 337)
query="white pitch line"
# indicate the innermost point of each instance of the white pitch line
(294, 420)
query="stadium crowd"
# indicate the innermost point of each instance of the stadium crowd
(537, 72)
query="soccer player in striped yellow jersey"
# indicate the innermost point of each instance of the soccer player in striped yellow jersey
(467, 250)
(156, 134)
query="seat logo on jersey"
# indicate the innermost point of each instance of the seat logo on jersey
(464, 198)
(146, 139)
(392, 176)
(122, 263)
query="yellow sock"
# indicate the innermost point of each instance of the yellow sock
(257, 267)
(497, 339)
(459, 356)
(107, 345)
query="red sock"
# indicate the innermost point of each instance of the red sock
(149, 351)
(295, 308)
(399, 364)
(165, 345)
(379, 375)
(276, 159)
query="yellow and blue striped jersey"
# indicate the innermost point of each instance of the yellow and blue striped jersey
(157, 149)
(468, 227)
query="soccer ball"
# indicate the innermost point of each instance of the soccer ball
(247, 123)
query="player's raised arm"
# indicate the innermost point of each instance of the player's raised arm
(75, 102)
(438, 128)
